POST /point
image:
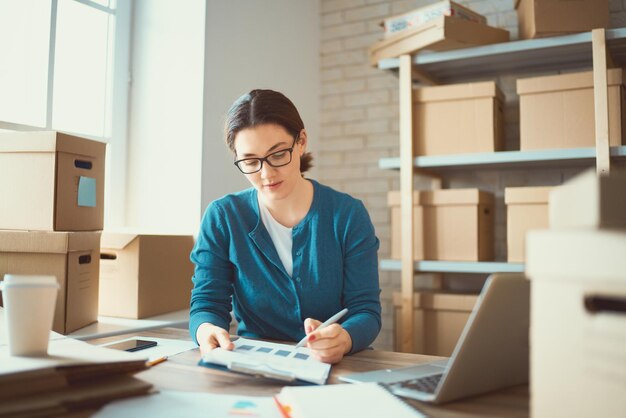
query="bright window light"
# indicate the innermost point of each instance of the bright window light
(82, 71)
(24, 44)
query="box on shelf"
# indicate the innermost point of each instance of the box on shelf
(538, 18)
(51, 181)
(440, 34)
(455, 225)
(590, 201)
(143, 275)
(458, 119)
(578, 322)
(421, 15)
(439, 320)
(73, 257)
(526, 209)
(558, 111)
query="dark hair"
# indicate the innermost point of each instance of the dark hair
(260, 107)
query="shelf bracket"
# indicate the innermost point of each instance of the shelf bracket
(600, 99)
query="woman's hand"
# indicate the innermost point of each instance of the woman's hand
(210, 336)
(327, 344)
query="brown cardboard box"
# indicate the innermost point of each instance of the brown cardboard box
(73, 257)
(421, 15)
(393, 201)
(455, 225)
(539, 18)
(558, 111)
(439, 320)
(458, 119)
(590, 201)
(440, 34)
(143, 275)
(51, 181)
(578, 325)
(526, 209)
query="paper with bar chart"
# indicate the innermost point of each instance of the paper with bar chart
(277, 361)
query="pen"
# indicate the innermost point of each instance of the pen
(156, 361)
(336, 317)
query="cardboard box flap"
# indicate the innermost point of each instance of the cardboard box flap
(49, 141)
(456, 197)
(394, 197)
(586, 254)
(116, 240)
(440, 301)
(563, 82)
(457, 92)
(36, 141)
(47, 241)
(528, 195)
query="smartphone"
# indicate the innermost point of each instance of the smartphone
(132, 345)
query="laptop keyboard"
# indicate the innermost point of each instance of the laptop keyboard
(426, 384)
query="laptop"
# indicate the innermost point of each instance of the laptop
(491, 353)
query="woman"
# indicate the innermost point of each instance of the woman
(288, 252)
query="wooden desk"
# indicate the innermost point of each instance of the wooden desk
(181, 372)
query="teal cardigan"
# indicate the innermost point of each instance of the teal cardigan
(335, 266)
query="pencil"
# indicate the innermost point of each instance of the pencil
(282, 408)
(156, 361)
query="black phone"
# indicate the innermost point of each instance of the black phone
(132, 345)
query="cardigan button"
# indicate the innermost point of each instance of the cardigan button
(298, 279)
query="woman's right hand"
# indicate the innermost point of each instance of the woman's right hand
(210, 336)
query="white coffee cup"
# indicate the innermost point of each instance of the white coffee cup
(29, 302)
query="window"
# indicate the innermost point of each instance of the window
(56, 70)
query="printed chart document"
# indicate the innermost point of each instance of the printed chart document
(276, 361)
(170, 403)
(363, 400)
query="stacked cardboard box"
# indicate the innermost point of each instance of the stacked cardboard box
(51, 212)
(450, 225)
(578, 273)
(558, 111)
(143, 275)
(539, 18)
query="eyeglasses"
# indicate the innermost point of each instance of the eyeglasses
(275, 159)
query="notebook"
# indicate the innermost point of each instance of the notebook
(363, 400)
(271, 360)
(492, 352)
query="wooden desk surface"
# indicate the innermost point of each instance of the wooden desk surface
(181, 372)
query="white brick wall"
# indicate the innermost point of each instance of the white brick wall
(359, 124)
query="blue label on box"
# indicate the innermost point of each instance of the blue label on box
(87, 192)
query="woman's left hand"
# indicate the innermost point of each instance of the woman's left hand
(327, 344)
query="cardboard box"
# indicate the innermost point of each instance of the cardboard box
(578, 322)
(421, 15)
(526, 209)
(51, 181)
(455, 225)
(558, 111)
(589, 201)
(439, 320)
(440, 34)
(143, 275)
(539, 18)
(73, 257)
(458, 119)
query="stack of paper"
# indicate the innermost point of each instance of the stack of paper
(75, 376)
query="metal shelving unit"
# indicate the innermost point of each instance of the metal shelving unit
(509, 159)
(597, 50)
(480, 267)
(544, 54)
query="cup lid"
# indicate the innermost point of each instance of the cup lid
(22, 280)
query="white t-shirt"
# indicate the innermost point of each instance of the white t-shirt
(281, 236)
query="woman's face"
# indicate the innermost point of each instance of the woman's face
(273, 183)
